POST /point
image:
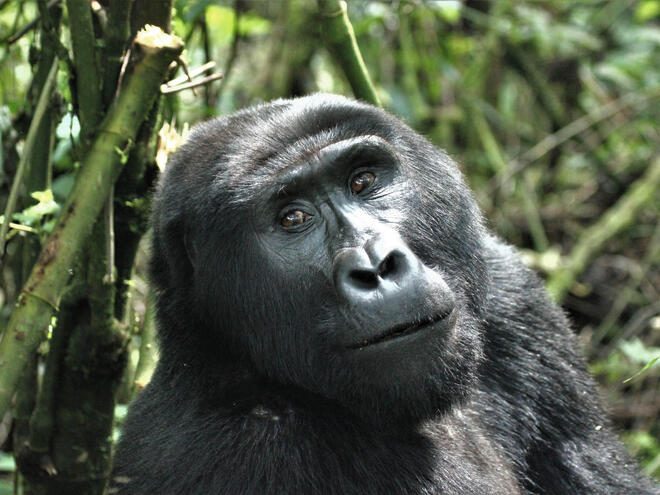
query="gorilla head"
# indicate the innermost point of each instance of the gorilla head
(319, 243)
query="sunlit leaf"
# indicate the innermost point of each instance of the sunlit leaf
(43, 196)
(7, 463)
(221, 22)
(68, 126)
(253, 25)
(647, 10)
(648, 365)
(46, 206)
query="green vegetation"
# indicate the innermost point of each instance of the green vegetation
(552, 108)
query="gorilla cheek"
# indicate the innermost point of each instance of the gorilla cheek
(293, 347)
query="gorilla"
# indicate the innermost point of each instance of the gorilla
(335, 318)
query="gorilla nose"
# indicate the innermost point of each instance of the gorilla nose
(379, 269)
(392, 267)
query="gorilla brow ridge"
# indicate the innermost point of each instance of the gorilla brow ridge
(272, 165)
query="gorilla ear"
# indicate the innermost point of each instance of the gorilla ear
(191, 249)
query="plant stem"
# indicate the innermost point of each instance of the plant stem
(643, 191)
(41, 294)
(340, 39)
(39, 112)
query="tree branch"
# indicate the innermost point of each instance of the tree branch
(166, 88)
(549, 143)
(29, 26)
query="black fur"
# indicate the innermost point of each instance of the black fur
(276, 373)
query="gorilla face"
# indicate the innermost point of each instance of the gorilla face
(310, 242)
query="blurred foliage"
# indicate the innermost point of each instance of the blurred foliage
(495, 83)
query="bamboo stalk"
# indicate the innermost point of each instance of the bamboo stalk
(41, 294)
(88, 80)
(116, 37)
(591, 241)
(340, 39)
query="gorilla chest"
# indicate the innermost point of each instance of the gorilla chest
(289, 455)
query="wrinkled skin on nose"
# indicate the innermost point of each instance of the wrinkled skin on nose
(385, 287)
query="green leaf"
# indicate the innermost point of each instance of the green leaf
(637, 352)
(253, 25)
(49, 225)
(120, 413)
(221, 22)
(6, 487)
(648, 365)
(68, 126)
(43, 196)
(5, 118)
(46, 206)
(647, 10)
(62, 186)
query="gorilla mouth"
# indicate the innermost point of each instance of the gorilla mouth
(404, 329)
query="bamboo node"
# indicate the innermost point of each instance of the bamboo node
(26, 292)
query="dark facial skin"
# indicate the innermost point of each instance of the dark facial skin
(335, 318)
(327, 232)
(341, 212)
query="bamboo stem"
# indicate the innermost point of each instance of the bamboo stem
(340, 39)
(592, 240)
(41, 294)
(88, 81)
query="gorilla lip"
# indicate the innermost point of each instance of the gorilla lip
(405, 329)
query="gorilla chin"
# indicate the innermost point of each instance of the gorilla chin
(414, 372)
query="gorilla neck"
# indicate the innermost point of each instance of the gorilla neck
(232, 386)
(442, 450)
(193, 356)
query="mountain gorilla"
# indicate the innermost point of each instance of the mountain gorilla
(334, 317)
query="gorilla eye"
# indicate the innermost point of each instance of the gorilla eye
(362, 181)
(294, 217)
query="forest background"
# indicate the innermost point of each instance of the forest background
(552, 108)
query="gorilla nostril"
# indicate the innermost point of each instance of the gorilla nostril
(363, 279)
(389, 266)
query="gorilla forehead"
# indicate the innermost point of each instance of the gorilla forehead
(249, 145)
